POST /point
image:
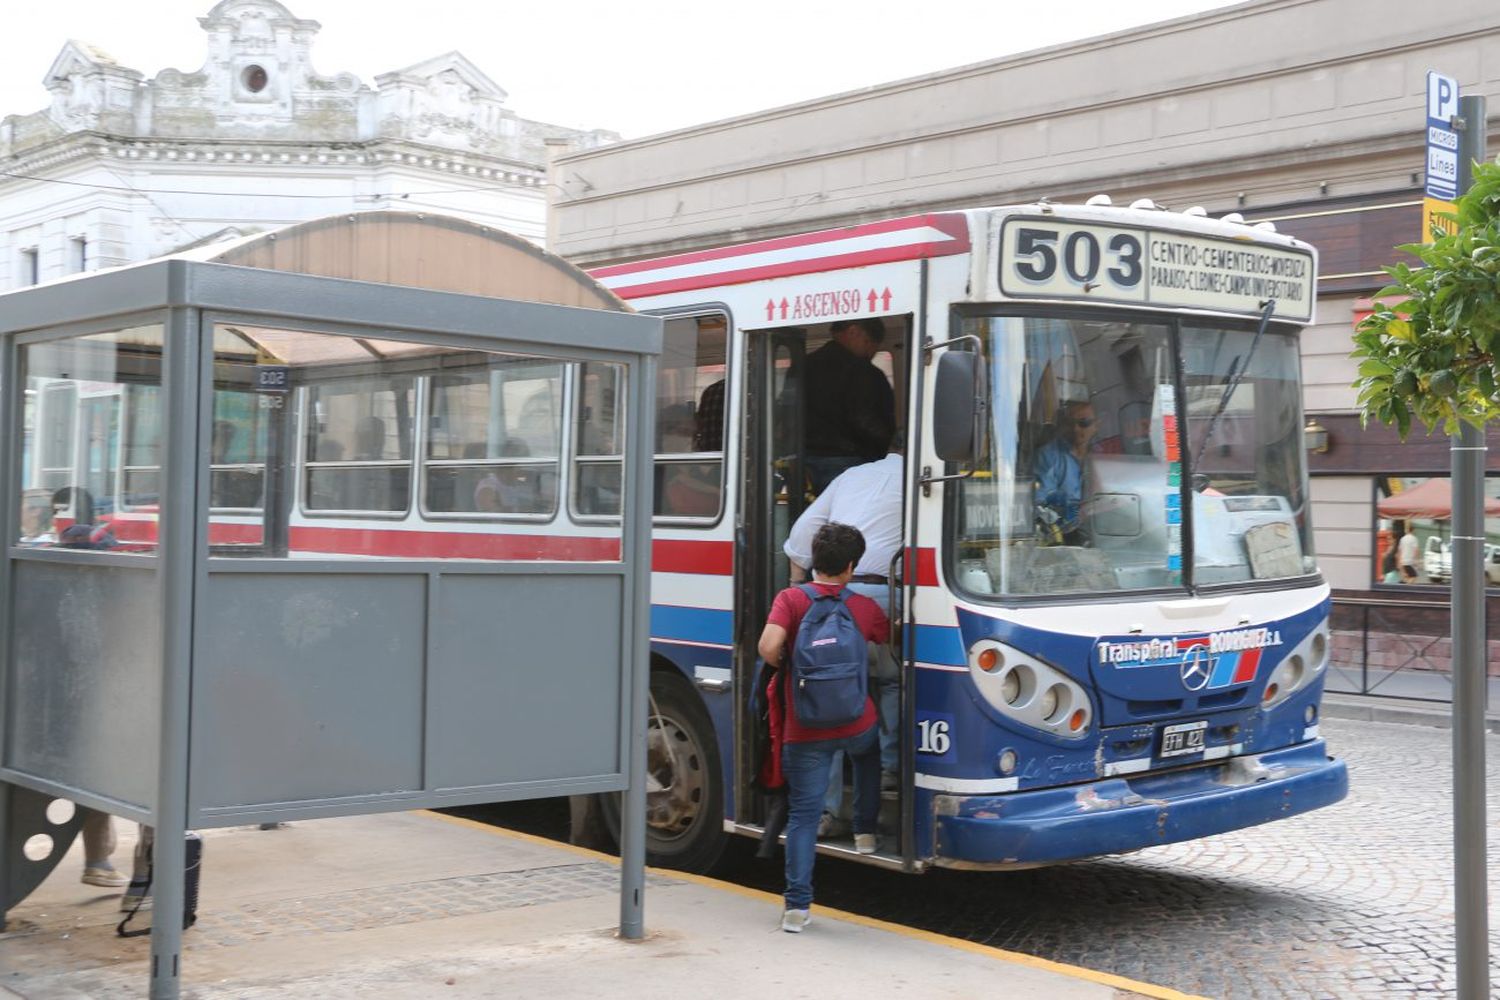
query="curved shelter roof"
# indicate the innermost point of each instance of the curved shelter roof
(418, 250)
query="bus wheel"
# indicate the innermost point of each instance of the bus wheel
(684, 782)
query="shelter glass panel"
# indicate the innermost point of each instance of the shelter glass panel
(91, 441)
(334, 445)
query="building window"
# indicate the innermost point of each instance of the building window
(1414, 531)
(254, 78)
(78, 250)
(30, 273)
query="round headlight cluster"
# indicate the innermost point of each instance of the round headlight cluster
(1028, 690)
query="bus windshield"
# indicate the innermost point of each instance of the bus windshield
(1096, 472)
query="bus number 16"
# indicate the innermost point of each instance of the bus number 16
(934, 736)
(1080, 256)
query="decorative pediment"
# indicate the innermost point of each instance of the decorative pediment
(250, 15)
(81, 58)
(451, 69)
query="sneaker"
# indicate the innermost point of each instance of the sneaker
(831, 826)
(865, 843)
(792, 921)
(108, 878)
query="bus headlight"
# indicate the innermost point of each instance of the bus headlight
(1299, 668)
(1029, 691)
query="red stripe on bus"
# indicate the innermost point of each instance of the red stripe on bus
(1246, 668)
(787, 269)
(926, 561)
(950, 223)
(673, 555)
(452, 545)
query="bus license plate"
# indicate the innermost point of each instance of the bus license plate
(1183, 738)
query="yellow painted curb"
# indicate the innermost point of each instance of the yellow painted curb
(999, 954)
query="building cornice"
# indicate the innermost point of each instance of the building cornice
(268, 155)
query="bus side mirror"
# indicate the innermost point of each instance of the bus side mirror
(958, 407)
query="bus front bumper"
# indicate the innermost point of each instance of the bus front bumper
(1115, 815)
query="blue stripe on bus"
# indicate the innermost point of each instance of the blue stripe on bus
(939, 644)
(670, 622)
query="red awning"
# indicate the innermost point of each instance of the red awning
(1433, 498)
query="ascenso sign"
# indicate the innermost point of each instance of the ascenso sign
(1041, 258)
(1204, 662)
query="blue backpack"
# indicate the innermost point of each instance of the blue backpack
(829, 669)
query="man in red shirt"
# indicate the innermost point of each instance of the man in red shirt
(807, 753)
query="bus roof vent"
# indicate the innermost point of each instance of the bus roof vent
(1099, 199)
(1267, 227)
(1197, 211)
(1234, 217)
(1144, 204)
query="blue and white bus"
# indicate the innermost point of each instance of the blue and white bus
(1152, 676)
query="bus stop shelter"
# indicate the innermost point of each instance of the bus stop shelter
(203, 637)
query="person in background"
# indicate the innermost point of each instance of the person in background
(1388, 571)
(807, 753)
(98, 848)
(1408, 552)
(851, 409)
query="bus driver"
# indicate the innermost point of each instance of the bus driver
(1062, 469)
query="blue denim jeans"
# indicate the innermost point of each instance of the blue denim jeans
(806, 767)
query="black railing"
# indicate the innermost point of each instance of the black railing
(1395, 649)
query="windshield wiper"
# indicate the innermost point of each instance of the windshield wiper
(1236, 376)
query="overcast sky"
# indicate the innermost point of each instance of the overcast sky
(634, 67)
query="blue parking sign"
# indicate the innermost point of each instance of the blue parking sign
(1442, 140)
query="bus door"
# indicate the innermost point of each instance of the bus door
(774, 495)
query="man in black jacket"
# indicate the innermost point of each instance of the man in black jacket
(851, 410)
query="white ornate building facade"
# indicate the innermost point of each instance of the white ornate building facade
(121, 168)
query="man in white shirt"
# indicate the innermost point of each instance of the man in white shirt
(867, 497)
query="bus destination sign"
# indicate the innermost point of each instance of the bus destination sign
(1041, 258)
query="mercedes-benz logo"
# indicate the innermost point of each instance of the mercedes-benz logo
(1195, 668)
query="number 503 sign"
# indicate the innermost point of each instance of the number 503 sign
(1046, 258)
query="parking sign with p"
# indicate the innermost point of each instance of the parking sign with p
(1442, 140)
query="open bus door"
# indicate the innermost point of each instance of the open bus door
(774, 494)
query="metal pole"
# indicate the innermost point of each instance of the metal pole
(176, 569)
(1469, 667)
(637, 548)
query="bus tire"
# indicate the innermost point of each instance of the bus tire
(685, 818)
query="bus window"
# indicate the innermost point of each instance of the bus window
(359, 445)
(141, 471)
(55, 435)
(600, 432)
(1075, 493)
(238, 451)
(493, 440)
(690, 418)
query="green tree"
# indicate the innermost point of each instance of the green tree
(1429, 349)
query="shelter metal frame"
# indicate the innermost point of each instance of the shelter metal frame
(188, 298)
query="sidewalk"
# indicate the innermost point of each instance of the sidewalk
(418, 904)
(1406, 711)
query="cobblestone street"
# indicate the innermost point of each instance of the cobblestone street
(1352, 901)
